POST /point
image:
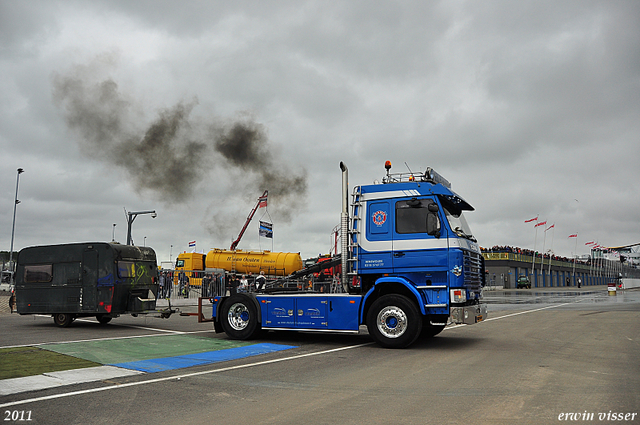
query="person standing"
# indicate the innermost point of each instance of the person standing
(168, 283)
(261, 282)
(206, 283)
(161, 283)
(244, 284)
(233, 285)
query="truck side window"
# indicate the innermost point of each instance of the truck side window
(39, 273)
(126, 269)
(411, 215)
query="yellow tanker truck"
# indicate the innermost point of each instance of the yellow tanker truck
(238, 261)
(253, 262)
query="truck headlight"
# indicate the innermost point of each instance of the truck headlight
(458, 295)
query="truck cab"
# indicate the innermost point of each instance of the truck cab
(409, 236)
(189, 267)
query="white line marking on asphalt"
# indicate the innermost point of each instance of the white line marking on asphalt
(133, 326)
(106, 339)
(531, 311)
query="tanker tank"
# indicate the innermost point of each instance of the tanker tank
(246, 262)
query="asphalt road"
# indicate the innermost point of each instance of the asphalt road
(539, 357)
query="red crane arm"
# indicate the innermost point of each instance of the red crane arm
(261, 199)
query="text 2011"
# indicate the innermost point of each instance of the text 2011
(17, 415)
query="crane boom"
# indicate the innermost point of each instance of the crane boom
(262, 199)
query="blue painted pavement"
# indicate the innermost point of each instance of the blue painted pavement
(197, 359)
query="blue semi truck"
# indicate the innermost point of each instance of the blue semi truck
(409, 265)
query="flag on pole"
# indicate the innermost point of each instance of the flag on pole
(533, 219)
(575, 235)
(266, 229)
(552, 226)
(542, 223)
(192, 244)
(262, 201)
(589, 243)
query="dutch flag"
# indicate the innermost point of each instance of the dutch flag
(192, 244)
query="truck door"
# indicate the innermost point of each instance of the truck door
(413, 248)
(89, 279)
(377, 244)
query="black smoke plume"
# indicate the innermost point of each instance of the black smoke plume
(175, 153)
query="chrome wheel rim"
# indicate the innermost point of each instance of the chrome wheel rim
(238, 316)
(392, 322)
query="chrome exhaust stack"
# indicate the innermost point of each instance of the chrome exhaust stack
(344, 226)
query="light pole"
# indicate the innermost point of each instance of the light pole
(13, 227)
(132, 216)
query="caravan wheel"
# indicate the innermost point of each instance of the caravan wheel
(62, 319)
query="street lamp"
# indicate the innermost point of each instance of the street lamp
(13, 227)
(132, 216)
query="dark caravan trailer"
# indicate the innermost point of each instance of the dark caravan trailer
(75, 280)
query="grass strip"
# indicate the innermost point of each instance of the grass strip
(27, 361)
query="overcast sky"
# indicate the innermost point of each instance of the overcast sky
(193, 108)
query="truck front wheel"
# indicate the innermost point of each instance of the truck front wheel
(239, 317)
(394, 321)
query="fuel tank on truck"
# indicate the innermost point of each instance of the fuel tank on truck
(271, 263)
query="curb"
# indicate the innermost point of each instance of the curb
(65, 377)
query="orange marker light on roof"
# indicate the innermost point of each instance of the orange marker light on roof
(387, 165)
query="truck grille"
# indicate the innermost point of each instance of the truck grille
(473, 271)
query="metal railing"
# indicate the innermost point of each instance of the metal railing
(177, 284)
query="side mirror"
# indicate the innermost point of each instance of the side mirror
(433, 223)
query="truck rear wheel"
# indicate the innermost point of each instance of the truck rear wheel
(239, 317)
(62, 319)
(394, 321)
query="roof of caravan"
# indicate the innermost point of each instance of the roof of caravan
(71, 251)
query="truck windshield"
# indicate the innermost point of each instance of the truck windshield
(459, 224)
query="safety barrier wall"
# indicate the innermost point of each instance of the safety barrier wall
(630, 283)
(504, 268)
(599, 265)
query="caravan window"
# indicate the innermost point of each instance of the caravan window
(39, 273)
(126, 269)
